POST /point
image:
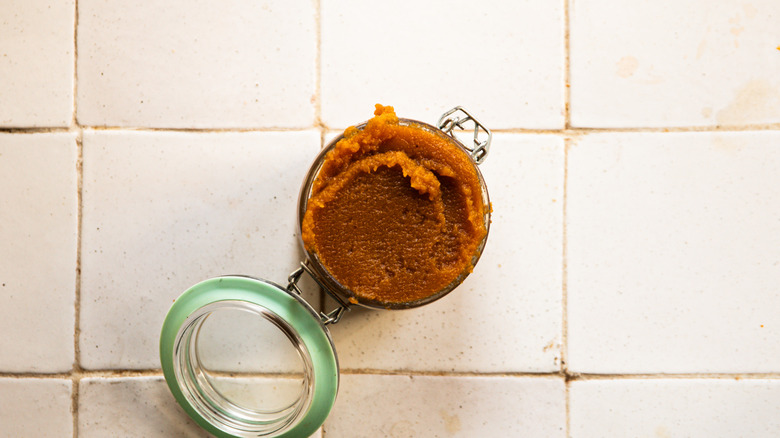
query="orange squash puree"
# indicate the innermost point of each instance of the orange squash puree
(396, 212)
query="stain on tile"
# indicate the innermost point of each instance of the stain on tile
(627, 66)
(750, 10)
(700, 50)
(402, 429)
(755, 99)
(736, 26)
(662, 432)
(726, 143)
(451, 422)
(652, 77)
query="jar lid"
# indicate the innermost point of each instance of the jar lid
(194, 389)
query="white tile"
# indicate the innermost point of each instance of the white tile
(698, 408)
(39, 232)
(674, 252)
(507, 315)
(133, 407)
(163, 211)
(36, 62)
(405, 406)
(502, 60)
(197, 64)
(672, 63)
(35, 407)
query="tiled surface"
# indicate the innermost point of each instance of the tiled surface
(448, 407)
(674, 253)
(39, 233)
(632, 270)
(132, 407)
(197, 64)
(35, 407)
(139, 407)
(506, 316)
(427, 57)
(671, 63)
(36, 63)
(696, 408)
(163, 211)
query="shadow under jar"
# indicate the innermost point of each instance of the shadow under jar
(392, 214)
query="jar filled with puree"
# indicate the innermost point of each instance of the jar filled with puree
(393, 214)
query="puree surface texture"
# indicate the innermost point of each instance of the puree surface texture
(396, 212)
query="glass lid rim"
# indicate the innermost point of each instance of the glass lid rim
(298, 313)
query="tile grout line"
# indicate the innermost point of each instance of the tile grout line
(681, 376)
(323, 128)
(567, 407)
(318, 97)
(75, 374)
(419, 373)
(318, 66)
(318, 117)
(645, 129)
(318, 123)
(564, 234)
(565, 282)
(74, 120)
(569, 376)
(127, 373)
(566, 65)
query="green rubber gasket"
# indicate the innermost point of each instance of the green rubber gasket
(296, 312)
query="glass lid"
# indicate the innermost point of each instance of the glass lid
(247, 358)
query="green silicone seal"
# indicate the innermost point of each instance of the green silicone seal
(293, 310)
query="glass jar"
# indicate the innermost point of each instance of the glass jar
(342, 294)
(185, 362)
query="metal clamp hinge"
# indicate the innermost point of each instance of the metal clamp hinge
(331, 317)
(456, 118)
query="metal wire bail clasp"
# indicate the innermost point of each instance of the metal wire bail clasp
(331, 317)
(457, 117)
